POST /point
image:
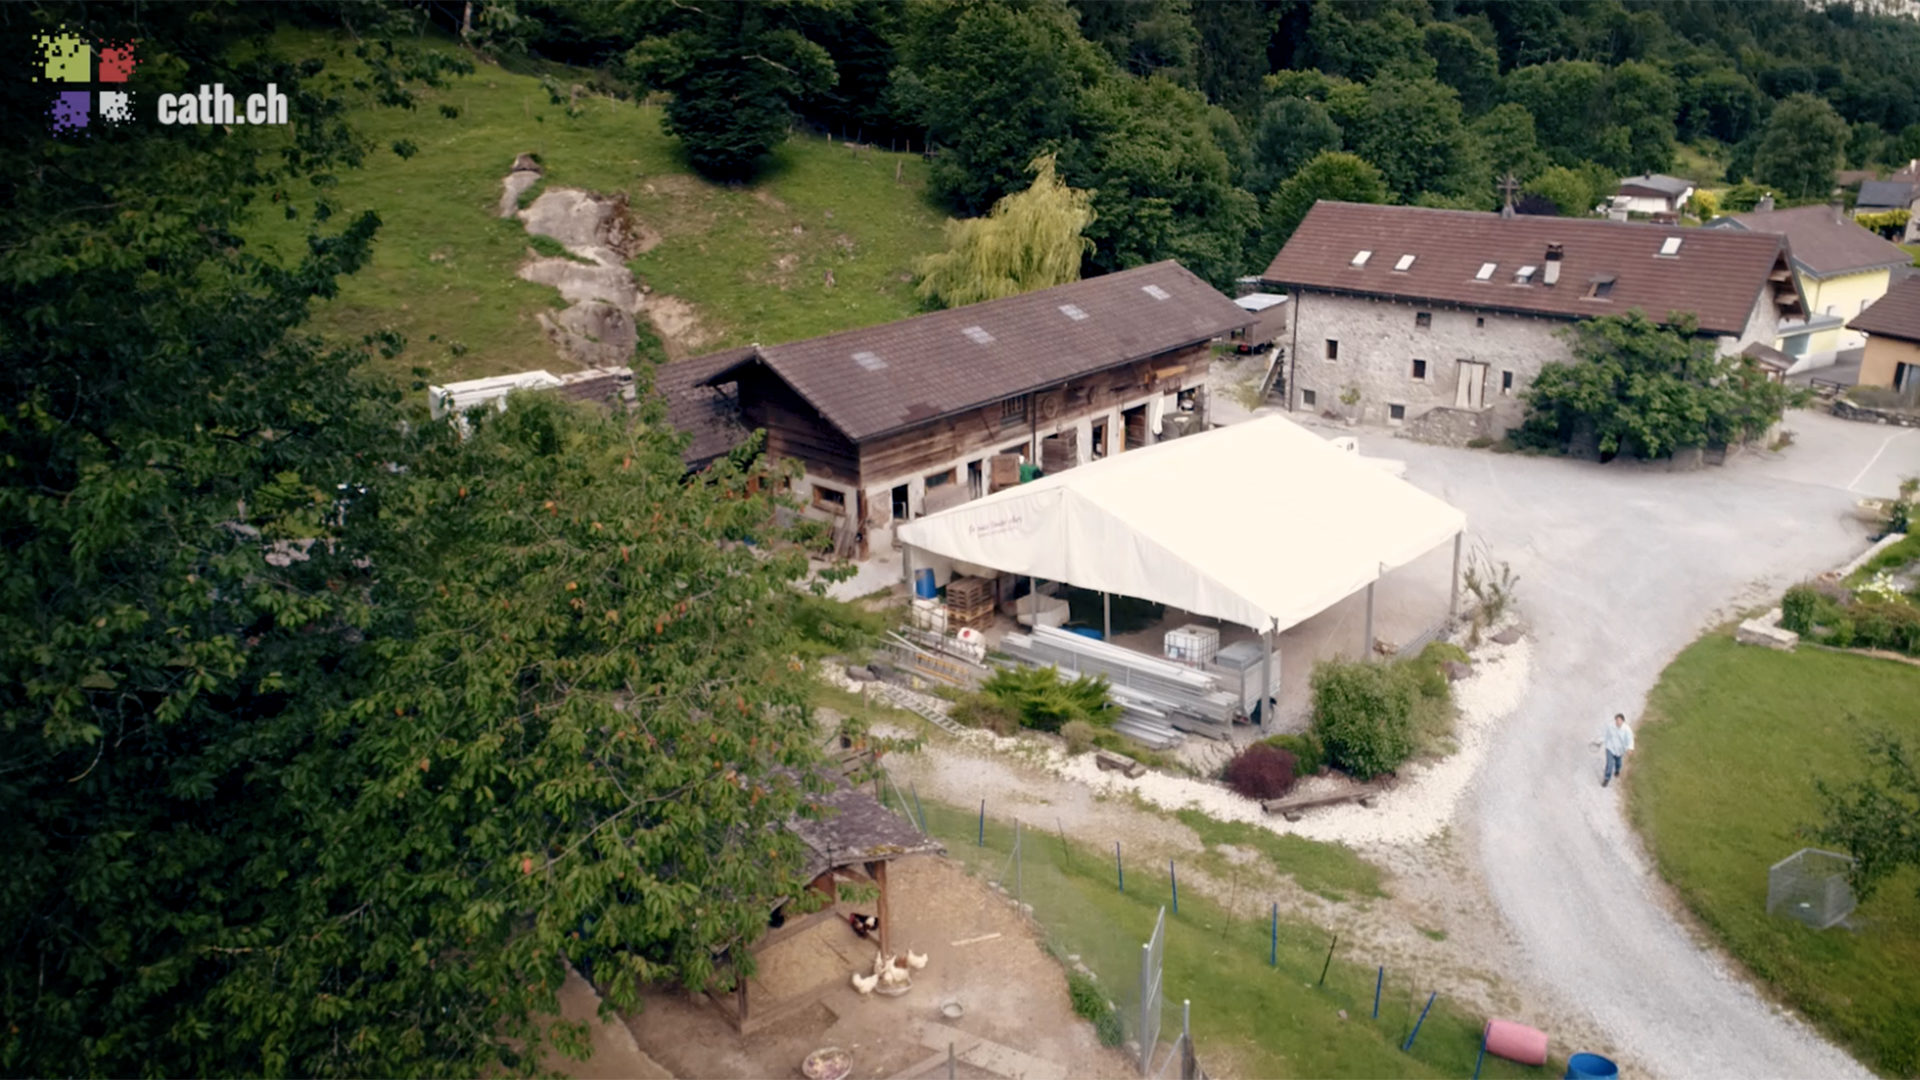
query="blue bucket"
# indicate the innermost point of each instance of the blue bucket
(1086, 631)
(923, 585)
(1591, 1067)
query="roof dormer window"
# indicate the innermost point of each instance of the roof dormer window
(1405, 264)
(1360, 260)
(1524, 275)
(869, 361)
(1670, 247)
(1072, 311)
(1486, 271)
(978, 335)
(1155, 291)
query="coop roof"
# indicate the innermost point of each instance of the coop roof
(705, 412)
(854, 828)
(881, 379)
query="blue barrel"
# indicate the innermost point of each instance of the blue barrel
(1591, 1067)
(923, 585)
(1086, 631)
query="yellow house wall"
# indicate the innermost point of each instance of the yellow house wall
(1845, 295)
(1883, 354)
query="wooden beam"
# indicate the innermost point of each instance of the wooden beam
(878, 872)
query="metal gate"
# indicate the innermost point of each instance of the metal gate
(1152, 953)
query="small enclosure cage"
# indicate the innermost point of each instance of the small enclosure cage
(1811, 885)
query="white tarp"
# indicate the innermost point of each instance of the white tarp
(1253, 523)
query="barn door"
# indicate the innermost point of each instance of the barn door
(1471, 390)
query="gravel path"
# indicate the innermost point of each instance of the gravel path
(1620, 571)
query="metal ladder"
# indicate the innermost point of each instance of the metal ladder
(913, 703)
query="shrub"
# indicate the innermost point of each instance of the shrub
(1261, 771)
(1841, 636)
(1363, 715)
(1893, 625)
(981, 711)
(1797, 608)
(1090, 1004)
(1309, 757)
(1079, 735)
(1042, 702)
(1480, 442)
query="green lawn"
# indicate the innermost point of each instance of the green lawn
(751, 261)
(1913, 250)
(1249, 1018)
(1723, 781)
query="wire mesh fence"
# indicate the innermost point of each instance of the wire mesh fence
(1295, 991)
(1810, 886)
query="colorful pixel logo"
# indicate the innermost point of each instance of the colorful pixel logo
(66, 57)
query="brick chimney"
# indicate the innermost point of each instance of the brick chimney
(1765, 204)
(1837, 202)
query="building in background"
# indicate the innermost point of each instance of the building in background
(1892, 328)
(1441, 319)
(1653, 194)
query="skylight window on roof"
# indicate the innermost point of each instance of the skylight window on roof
(1360, 260)
(1486, 271)
(1524, 276)
(978, 335)
(1155, 291)
(1670, 246)
(1072, 311)
(1405, 262)
(870, 361)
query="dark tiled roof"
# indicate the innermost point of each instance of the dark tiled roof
(1716, 274)
(1767, 356)
(1884, 195)
(707, 413)
(1670, 186)
(854, 828)
(881, 379)
(1821, 240)
(1895, 315)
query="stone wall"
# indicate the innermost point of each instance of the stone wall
(1847, 410)
(1379, 340)
(1447, 426)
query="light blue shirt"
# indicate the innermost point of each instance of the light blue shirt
(1619, 739)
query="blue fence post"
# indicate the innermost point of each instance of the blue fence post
(1377, 980)
(921, 810)
(981, 841)
(1175, 879)
(1483, 1050)
(1415, 1033)
(1273, 949)
(1118, 867)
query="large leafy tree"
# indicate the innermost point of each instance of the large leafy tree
(1291, 131)
(735, 72)
(1232, 57)
(1647, 389)
(1800, 147)
(1032, 240)
(1334, 176)
(1465, 62)
(1875, 818)
(1144, 37)
(321, 736)
(1413, 131)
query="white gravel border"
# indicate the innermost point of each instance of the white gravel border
(1417, 808)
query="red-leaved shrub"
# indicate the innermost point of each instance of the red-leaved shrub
(1261, 772)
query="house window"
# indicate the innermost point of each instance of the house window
(1013, 411)
(940, 479)
(1396, 413)
(1600, 289)
(1419, 369)
(1333, 349)
(902, 503)
(1423, 320)
(1506, 382)
(1308, 398)
(1479, 322)
(829, 499)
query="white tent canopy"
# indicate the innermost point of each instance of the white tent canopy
(1264, 524)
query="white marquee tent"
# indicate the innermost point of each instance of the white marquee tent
(1263, 523)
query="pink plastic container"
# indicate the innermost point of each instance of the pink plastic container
(1516, 1042)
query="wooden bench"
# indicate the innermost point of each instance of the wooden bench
(1293, 809)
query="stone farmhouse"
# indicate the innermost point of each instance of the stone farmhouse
(894, 421)
(1841, 268)
(1439, 319)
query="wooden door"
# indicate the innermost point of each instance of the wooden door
(1471, 390)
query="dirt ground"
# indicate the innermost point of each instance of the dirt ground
(1013, 993)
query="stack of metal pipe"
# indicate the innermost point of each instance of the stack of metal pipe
(1158, 700)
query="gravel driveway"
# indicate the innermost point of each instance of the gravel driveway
(1620, 570)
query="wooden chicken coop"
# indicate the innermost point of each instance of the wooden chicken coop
(853, 840)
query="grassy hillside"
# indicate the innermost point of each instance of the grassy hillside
(732, 265)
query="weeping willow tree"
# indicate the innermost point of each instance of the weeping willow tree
(1031, 240)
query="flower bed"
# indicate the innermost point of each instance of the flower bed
(1877, 606)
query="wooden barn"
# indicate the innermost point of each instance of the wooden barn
(894, 421)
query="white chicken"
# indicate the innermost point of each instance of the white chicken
(865, 983)
(915, 960)
(881, 962)
(895, 975)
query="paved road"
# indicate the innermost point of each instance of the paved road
(1620, 571)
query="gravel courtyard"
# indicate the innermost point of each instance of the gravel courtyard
(1620, 569)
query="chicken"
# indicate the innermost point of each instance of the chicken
(895, 975)
(915, 960)
(863, 925)
(865, 983)
(881, 962)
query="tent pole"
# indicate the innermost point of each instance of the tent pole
(1453, 597)
(1366, 647)
(906, 567)
(1266, 677)
(1106, 616)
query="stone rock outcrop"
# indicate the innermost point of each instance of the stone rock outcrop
(1766, 631)
(526, 173)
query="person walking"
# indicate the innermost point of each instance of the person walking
(1618, 743)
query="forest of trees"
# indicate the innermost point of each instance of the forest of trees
(1194, 124)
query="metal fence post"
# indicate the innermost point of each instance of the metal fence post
(1175, 879)
(1273, 949)
(1119, 868)
(1146, 1002)
(981, 840)
(1377, 980)
(1019, 871)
